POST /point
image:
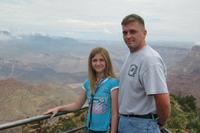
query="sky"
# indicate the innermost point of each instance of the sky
(172, 20)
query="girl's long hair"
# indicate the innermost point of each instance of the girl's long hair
(108, 69)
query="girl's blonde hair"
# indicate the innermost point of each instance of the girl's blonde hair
(108, 69)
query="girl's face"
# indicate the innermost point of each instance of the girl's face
(98, 63)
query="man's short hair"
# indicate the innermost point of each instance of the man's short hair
(133, 18)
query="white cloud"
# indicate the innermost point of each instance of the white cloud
(107, 31)
(163, 18)
(197, 43)
(90, 24)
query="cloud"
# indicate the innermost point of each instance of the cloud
(107, 31)
(165, 18)
(89, 24)
(197, 43)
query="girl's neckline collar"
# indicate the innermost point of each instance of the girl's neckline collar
(103, 80)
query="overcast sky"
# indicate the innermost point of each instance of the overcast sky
(173, 20)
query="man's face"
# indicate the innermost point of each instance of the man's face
(134, 35)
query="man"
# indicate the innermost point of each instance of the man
(144, 102)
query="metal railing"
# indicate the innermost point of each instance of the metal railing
(38, 118)
(44, 117)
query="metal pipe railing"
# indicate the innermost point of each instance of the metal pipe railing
(34, 119)
(75, 129)
(43, 117)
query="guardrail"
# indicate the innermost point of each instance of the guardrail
(44, 117)
(36, 119)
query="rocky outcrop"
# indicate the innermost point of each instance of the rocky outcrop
(185, 76)
(20, 100)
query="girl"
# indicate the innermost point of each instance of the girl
(101, 91)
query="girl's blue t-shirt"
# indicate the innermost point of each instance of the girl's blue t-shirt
(102, 108)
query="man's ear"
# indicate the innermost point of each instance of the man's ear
(145, 32)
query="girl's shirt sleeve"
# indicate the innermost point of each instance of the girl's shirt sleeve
(115, 84)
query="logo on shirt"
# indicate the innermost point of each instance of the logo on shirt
(132, 70)
(99, 106)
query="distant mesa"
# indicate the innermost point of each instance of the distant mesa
(5, 35)
(185, 76)
(4, 32)
(195, 51)
(16, 97)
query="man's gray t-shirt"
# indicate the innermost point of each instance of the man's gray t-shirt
(142, 75)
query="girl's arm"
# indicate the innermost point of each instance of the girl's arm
(114, 121)
(69, 107)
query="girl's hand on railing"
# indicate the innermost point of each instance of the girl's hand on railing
(52, 111)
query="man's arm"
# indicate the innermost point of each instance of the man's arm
(163, 107)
